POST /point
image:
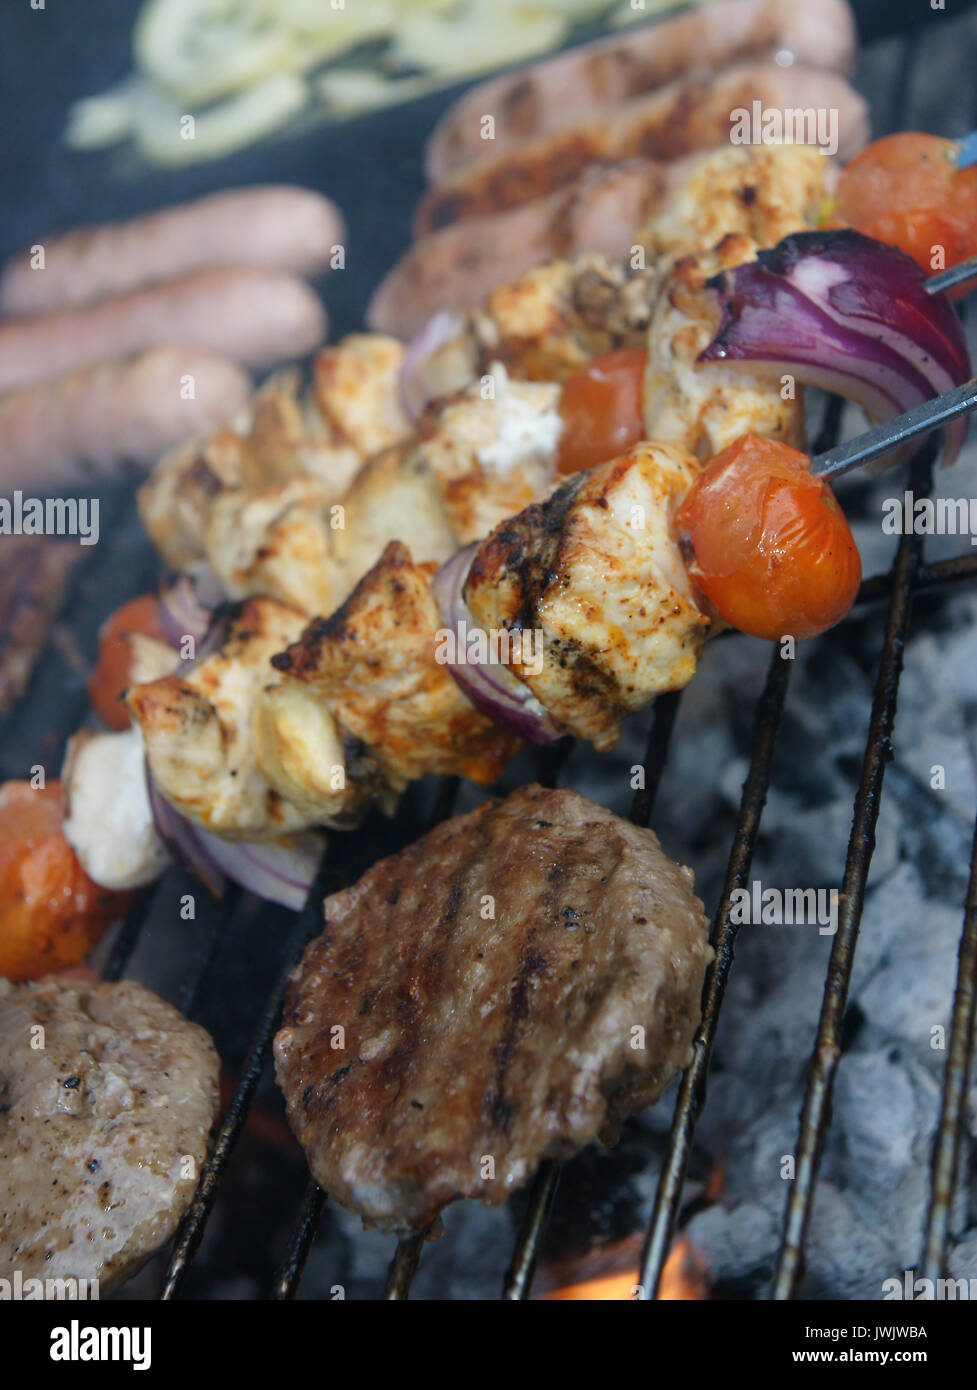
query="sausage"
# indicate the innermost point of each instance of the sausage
(256, 315)
(589, 81)
(96, 418)
(276, 225)
(689, 115)
(456, 267)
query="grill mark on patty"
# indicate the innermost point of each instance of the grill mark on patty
(499, 1110)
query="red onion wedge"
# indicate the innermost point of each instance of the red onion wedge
(438, 362)
(186, 605)
(280, 871)
(182, 840)
(491, 688)
(838, 310)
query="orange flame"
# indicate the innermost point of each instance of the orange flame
(685, 1277)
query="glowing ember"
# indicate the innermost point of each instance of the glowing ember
(685, 1277)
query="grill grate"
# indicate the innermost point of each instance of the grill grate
(909, 575)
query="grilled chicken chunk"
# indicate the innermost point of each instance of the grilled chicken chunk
(703, 407)
(352, 411)
(492, 455)
(764, 192)
(373, 665)
(551, 321)
(596, 572)
(277, 542)
(356, 386)
(103, 1127)
(197, 729)
(499, 993)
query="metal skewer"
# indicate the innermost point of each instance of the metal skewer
(967, 150)
(948, 279)
(878, 441)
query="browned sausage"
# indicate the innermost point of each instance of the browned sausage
(591, 80)
(275, 225)
(256, 315)
(689, 115)
(455, 268)
(93, 420)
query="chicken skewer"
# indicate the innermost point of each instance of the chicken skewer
(286, 503)
(636, 642)
(289, 727)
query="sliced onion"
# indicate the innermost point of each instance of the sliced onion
(183, 839)
(431, 369)
(186, 605)
(493, 689)
(280, 871)
(838, 310)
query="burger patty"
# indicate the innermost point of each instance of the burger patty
(499, 993)
(107, 1098)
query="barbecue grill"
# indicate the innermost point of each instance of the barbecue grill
(212, 983)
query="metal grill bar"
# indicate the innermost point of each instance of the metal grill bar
(827, 1050)
(519, 1276)
(403, 1266)
(290, 1272)
(125, 942)
(191, 1228)
(956, 1079)
(692, 1090)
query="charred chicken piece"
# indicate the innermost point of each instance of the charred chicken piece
(199, 726)
(373, 665)
(596, 571)
(501, 992)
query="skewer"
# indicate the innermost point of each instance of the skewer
(967, 150)
(956, 275)
(875, 442)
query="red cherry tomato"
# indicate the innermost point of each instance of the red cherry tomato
(772, 551)
(907, 191)
(110, 676)
(601, 409)
(51, 913)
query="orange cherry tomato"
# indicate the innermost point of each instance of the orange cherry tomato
(51, 913)
(110, 676)
(772, 551)
(907, 191)
(600, 406)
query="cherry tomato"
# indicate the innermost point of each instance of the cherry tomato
(601, 409)
(772, 551)
(51, 913)
(906, 190)
(110, 676)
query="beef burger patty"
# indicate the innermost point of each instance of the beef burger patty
(107, 1098)
(496, 994)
